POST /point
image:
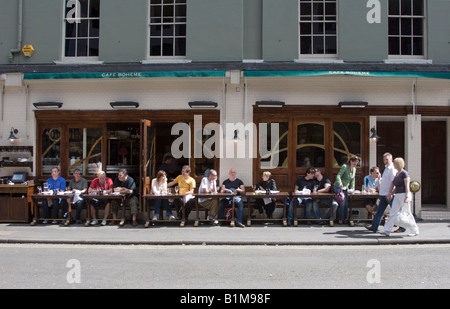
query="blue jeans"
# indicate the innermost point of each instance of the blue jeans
(238, 204)
(326, 201)
(295, 203)
(380, 211)
(343, 207)
(165, 203)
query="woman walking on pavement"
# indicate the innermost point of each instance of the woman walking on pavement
(400, 187)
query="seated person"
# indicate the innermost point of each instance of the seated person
(208, 185)
(124, 184)
(372, 183)
(323, 186)
(303, 182)
(233, 184)
(186, 185)
(267, 204)
(78, 185)
(100, 183)
(159, 184)
(57, 183)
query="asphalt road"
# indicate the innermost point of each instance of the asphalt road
(220, 267)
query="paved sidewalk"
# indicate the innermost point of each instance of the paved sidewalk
(430, 232)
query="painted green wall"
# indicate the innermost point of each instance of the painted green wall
(359, 40)
(217, 30)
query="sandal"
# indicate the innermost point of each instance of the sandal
(400, 230)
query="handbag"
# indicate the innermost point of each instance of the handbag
(403, 218)
(339, 197)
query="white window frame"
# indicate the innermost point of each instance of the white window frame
(162, 59)
(410, 58)
(76, 59)
(318, 57)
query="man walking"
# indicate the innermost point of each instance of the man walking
(386, 180)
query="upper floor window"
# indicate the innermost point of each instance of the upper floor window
(82, 28)
(167, 28)
(318, 28)
(406, 28)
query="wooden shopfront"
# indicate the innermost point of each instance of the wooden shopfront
(133, 139)
(323, 137)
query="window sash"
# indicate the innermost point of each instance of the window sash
(318, 28)
(167, 28)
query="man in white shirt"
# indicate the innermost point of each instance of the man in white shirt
(209, 185)
(386, 180)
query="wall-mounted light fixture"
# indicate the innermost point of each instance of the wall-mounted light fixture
(270, 103)
(48, 105)
(203, 104)
(374, 136)
(12, 137)
(236, 137)
(353, 104)
(124, 105)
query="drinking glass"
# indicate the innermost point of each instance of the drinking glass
(176, 189)
(46, 187)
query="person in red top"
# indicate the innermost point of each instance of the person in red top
(105, 184)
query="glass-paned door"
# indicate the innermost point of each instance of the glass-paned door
(51, 149)
(85, 150)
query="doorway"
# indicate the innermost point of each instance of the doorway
(434, 162)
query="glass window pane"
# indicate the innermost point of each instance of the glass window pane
(305, 45)
(155, 47)
(318, 47)
(51, 149)
(406, 7)
(330, 45)
(180, 47)
(394, 26)
(84, 8)
(310, 145)
(94, 28)
(418, 8)
(84, 149)
(305, 28)
(394, 46)
(330, 28)
(71, 30)
(167, 47)
(406, 46)
(347, 141)
(418, 46)
(273, 145)
(93, 47)
(94, 10)
(394, 7)
(305, 9)
(406, 26)
(317, 28)
(82, 48)
(417, 26)
(70, 48)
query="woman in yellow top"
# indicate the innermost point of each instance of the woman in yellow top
(186, 185)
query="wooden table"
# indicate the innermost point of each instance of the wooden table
(278, 196)
(314, 196)
(218, 196)
(89, 197)
(352, 197)
(41, 197)
(165, 197)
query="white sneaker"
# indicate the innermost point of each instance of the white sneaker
(103, 222)
(384, 233)
(171, 218)
(154, 218)
(94, 222)
(413, 234)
